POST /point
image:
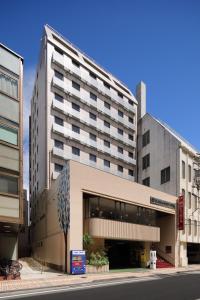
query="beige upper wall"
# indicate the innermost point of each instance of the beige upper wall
(89, 179)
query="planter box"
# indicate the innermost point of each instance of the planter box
(94, 269)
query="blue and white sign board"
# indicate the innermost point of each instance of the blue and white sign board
(77, 262)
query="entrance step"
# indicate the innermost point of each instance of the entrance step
(161, 263)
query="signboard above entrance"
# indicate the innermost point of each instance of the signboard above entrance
(162, 203)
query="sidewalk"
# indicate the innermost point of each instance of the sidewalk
(59, 280)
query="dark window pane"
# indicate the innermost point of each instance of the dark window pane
(120, 131)
(59, 121)
(76, 151)
(75, 106)
(8, 184)
(146, 138)
(58, 75)
(107, 124)
(120, 150)
(106, 163)
(146, 161)
(58, 97)
(58, 167)
(93, 137)
(107, 143)
(93, 96)
(59, 144)
(93, 116)
(75, 63)
(76, 85)
(120, 113)
(93, 157)
(75, 128)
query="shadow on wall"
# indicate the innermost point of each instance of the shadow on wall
(8, 248)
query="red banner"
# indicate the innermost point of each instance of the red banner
(181, 218)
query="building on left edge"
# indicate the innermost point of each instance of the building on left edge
(11, 151)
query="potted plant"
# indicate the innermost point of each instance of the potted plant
(96, 261)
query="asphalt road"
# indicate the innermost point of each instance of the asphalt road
(170, 287)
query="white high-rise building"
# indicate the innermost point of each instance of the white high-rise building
(167, 162)
(80, 112)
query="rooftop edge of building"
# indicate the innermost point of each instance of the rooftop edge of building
(49, 29)
(11, 51)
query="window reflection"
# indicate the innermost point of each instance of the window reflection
(98, 207)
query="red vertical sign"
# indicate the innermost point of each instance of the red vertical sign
(181, 219)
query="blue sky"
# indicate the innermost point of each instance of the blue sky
(150, 40)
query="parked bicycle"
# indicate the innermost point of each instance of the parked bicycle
(10, 268)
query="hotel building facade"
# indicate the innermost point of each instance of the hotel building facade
(84, 118)
(11, 151)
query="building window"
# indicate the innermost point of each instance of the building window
(165, 175)
(75, 63)
(58, 75)
(76, 85)
(106, 124)
(9, 135)
(58, 121)
(130, 136)
(93, 75)
(130, 172)
(75, 128)
(120, 131)
(195, 227)
(120, 149)
(93, 137)
(107, 143)
(58, 97)
(130, 154)
(189, 227)
(146, 161)
(93, 157)
(120, 169)
(120, 95)
(146, 138)
(130, 120)
(189, 173)
(130, 102)
(146, 181)
(106, 163)
(59, 144)
(183, 169)
(8, 184)
(58, 50)
(189, 200)
(58, 167)
(8, 85)
(107, 105)
(93, 96)
(76, 151)
(120, 113)
(93, 116)
(106, 85)
(75, 106)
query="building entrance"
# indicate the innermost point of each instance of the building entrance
(193, 253)
(124, 254)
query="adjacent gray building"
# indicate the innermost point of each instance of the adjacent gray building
(167, 162)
